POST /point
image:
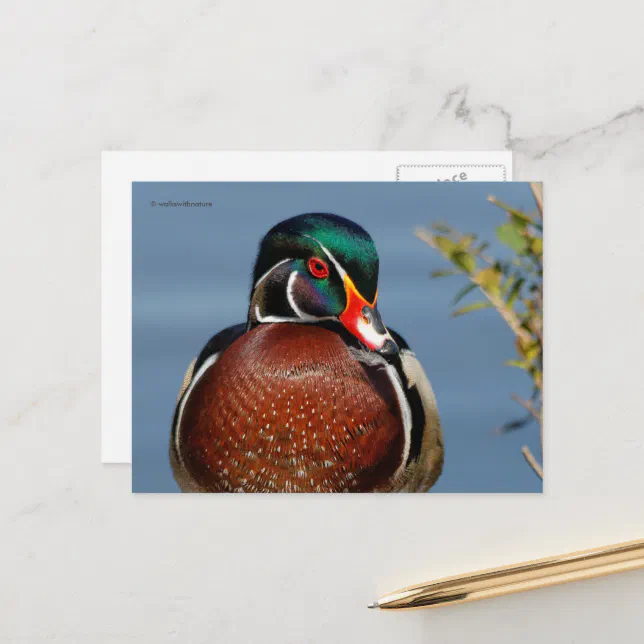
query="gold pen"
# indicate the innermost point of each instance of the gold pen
(516, 578)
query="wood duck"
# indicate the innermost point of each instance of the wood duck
(313, 393)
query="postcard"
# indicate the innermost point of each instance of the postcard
(295, 336)
(121, 169)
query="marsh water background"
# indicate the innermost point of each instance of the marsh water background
(191, 269)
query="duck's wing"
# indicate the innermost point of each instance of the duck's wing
(425, 460)
(199, 365)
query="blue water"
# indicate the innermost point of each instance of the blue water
(191, 271)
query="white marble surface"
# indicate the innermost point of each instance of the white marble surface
(559, 83)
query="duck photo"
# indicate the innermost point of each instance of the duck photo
(336, 337)
(312, 393)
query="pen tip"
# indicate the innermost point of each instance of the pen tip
(373, 605)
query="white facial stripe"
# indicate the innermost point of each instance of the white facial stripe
(301, 315)
(273, 318)
(269, 271)
(289, 296)
(305, 317)
(336, 263)
(278, 318)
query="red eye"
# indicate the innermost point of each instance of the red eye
(318, 268)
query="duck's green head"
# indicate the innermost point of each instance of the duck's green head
(320, 267)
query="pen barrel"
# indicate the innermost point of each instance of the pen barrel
(530, 575)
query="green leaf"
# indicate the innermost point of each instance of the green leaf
(533, 352)
(515, 363)
(489, 279)
(471, 307)
(445, 244)
(464, 260)
(518, 214)
(515, 214)
(443, 273)
(468, 288)
(536, 246)
(514, 292)
(519, 221)
(509, 235)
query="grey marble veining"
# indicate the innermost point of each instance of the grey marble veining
(559, 84)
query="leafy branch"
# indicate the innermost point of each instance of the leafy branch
(513, 287)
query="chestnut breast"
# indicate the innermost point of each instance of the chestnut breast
(288, 408)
